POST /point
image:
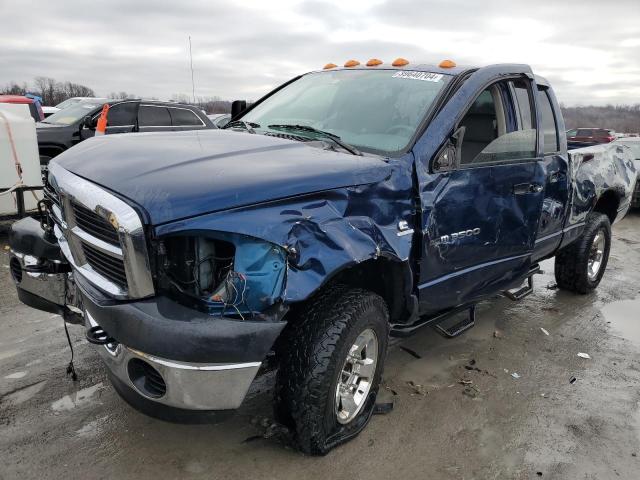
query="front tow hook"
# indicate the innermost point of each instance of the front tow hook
(98, 336)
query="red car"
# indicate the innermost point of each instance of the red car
(34, 106)
(591, 136)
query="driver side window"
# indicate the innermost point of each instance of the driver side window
(492, 133)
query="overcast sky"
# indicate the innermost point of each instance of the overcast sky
(589, 49)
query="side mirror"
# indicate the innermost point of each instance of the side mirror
(89, 122)
(237, 107)
(450, 155)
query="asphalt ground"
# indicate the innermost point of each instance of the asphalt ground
(498, 402)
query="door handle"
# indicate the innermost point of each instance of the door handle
(524, 188)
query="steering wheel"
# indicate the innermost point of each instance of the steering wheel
(399, 128)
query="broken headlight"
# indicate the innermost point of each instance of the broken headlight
(226, 274)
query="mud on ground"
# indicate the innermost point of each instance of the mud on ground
(459, 412)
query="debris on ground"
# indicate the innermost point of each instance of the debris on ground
(413, 353)
(584, 355)
(544, 331)
(471, 391)
(388, 388)
(515, 375)
(552, 286)
(465, 382)
(383, 408)
(472, 368)
(269, 429)
(417, 389)
(497, 334)
(543, 395)
(573, 380)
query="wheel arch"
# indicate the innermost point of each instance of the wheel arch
(389, 277)
(607, 203)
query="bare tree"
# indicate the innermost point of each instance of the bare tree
(621, 118)
(121, 95)
(48, 89)
(14, 89)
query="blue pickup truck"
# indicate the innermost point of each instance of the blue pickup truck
(348, 205)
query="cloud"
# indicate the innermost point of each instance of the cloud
(590, 51)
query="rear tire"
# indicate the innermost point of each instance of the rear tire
(580, 266)
(318, 349)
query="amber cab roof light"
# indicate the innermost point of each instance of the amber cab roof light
(329, 66)
(351, 63)
(400, 62)
(374, 62)
(447, 64)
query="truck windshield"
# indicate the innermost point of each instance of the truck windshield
(73, 113)
(376, 111)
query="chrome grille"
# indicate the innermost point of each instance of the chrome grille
(101, 236)
(106, 265)
(94, 224)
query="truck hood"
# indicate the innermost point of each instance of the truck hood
(175, 175)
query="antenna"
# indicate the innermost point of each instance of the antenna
(193, 85)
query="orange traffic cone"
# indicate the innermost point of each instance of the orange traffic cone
(102, 121)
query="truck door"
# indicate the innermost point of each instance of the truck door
(556, 191)
(480, 220)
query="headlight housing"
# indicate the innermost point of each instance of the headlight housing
(221, 273)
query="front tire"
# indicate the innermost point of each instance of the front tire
(331, 367)
(580, 266)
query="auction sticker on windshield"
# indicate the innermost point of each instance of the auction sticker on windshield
(424, 76)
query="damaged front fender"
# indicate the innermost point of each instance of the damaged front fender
(326, 232)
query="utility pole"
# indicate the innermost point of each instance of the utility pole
(193, 85)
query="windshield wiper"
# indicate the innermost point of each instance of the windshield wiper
(331, 136)
(248, 126)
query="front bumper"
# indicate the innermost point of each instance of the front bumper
(166, 359)
(183, 385)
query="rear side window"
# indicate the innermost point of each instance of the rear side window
(152, 116)
(548, 122)
(524, 104)
(122, 115)
(184, 118)
(584, 132)
(601, 132)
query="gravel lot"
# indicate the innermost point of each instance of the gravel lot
(459, 413)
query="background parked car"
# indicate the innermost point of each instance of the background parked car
(77, 122)
(48, 111)
(34, 105)
(634, 144)
(220, 119)
(582, 137)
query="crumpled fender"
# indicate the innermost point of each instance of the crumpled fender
(323, 232)
(598, 169)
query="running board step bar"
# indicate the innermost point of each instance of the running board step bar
(525, 290)
(458, 328)
(405, 330)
